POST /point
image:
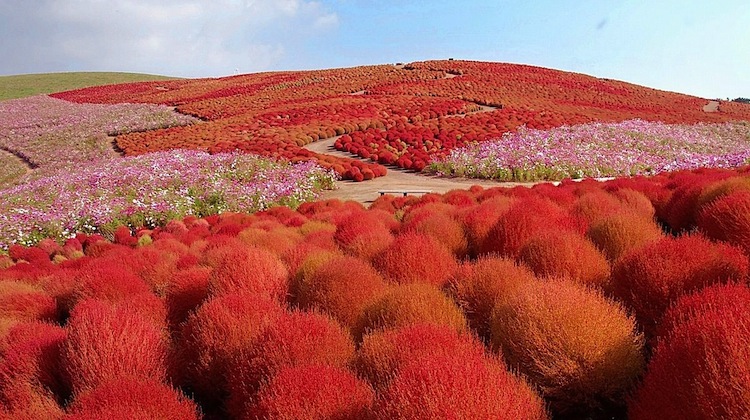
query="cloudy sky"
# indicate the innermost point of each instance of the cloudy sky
(691, 46)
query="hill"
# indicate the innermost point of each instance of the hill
(404, 115)
(20, 86)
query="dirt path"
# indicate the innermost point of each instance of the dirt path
(397, 179)
(712, 106)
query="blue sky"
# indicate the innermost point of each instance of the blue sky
(691, 46)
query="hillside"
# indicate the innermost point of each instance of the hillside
(402, 115)
(21, 86)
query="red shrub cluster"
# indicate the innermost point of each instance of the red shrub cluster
(479, 284)
(313, 392)
(390, 115)
(445, 386)
(651, 278)
(566, 254)
(411, 303)
(107, 343)
(700, 368)
(581, 349)
(129, 398)
(341, 287)
(294, 339)
(209, 308)
(416, 258)
(214, 334)
(383, 353)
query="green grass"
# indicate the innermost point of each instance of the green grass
(24, 85)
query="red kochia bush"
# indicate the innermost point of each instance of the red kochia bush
(26, 402)
(363, 234)
(581, 349)
(478, 284)
(416, 258)
(24, 301)
(294, 339)
(728, 219)
(478, 220)
(700, 370)
(652, 277)
(566, 254)
(593, 206)
(413, 303)
(187, 289)
(252, 270)
(107, 343)
(526, 218)
(383, 353)
(621, 233)
(443, 386)
(129, 398)
(342, 287)
(313, 392)
(215, 332)
(711, 299)
(32, 361)
(441, 226)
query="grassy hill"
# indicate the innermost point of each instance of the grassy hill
(20, 86)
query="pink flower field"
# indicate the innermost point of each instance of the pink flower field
(628, 148)
(51, 133)
(151, 189)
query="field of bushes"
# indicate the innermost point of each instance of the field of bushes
(585, 300)
(163, 255)
(390, 115)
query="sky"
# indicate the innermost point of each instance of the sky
(696, 47)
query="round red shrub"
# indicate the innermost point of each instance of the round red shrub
(384, 352)
(478, 284)
(635, 202)
(416, 258)
(32, 358)
(593, 206)
(652, 277)
(442, 227)
(411, 303)
(252, 270)
(216, 332)
(130, 398)
(342, 287)
(710, 299)
(566, 254)
(313, 392)
(106, 343)
(294, 339)
(580, 349)
(442, 386)
(728, 219)
(526, 218)
(24, 401)
(700, 370)
(621, 233)
(478, 220)
(187, 289)
(26, 302)
(363, 235)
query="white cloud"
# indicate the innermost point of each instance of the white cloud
(176, 37)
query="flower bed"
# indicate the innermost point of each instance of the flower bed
(151, 189)
(50, 133)
(596, 150)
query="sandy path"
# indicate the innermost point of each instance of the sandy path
(712, 106)
(397, 179)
